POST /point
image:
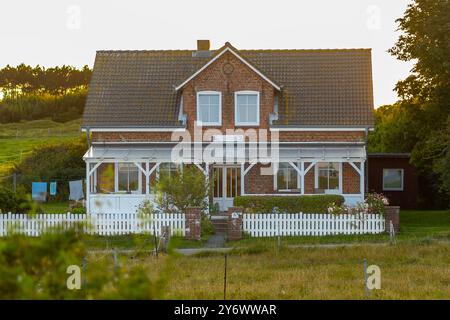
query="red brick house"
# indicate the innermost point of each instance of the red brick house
(302, 115)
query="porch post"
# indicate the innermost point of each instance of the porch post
(302, 177)
(88, 186)
(242, 179)
(361, 178)
(147, 177)
(209, 187)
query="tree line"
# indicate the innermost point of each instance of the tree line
(31, 93)
(419, 122)
(24, 79)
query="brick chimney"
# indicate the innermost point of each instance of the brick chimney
(203, 45)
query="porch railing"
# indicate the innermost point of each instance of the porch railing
(300, 224)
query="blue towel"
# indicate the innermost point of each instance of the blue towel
(39, 191)
(53, 188)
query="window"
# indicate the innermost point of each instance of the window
(209, 108)
(393, 179)
(128, 179)
(168, 168)
(104, 178)
(246, 108)
(286, 177)
(327, 175)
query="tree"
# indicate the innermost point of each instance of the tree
(185, 188)
(420, 121)
(24, 79)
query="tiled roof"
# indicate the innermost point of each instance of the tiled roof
(319, 87)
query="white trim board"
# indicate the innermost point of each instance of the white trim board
(134, 129)
(217, 57)
(320, 129)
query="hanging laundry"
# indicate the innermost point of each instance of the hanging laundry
(39, 191)
(53, 188)
(76, 190)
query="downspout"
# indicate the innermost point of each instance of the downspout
(88, 136)
(366, 163)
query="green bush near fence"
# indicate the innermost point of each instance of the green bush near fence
(288, 204)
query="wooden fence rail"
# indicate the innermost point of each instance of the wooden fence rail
(99, 224)
(300, 224)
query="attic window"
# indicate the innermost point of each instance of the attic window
(209, 108)
(246, 108)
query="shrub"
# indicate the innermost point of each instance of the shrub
(185, 188)
(373, 204)
(206, 226)
(53, 162)
(288, 204)
(15, 202)
(36, 268)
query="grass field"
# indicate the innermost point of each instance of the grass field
(408, 271)
(18, 139)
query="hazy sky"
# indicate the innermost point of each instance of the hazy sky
(60, 32)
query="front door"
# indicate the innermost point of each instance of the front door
(227, 185)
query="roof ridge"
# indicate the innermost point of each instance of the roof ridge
(240, 50)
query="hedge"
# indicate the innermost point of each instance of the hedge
(288, 204)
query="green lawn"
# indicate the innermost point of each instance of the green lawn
(55, 207)
(18, 139)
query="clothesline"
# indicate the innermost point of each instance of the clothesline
(39, 190)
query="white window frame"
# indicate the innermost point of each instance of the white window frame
(199, 122)
(316, 178)
(116, 180)
(246, 92)
(394, 189)
(178, 166)
(275, 180)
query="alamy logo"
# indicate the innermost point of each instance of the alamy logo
(373, 277)
(74, 280)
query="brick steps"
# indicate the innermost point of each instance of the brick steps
(220, 223)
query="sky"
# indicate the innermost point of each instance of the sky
(50, 33)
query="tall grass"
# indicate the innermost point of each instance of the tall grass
(408, 271)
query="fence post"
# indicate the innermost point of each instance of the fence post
(392, 213)
(235, 223)
(225, 279)
(193, 217)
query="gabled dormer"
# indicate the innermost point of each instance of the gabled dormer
(227, 92)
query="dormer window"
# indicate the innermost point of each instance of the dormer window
(246, 108)
(209, 108)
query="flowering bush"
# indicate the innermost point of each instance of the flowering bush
(338, 209)
(374, 203)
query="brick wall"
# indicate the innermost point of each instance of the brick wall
(255, 183)
(215, 78)
(350, 179)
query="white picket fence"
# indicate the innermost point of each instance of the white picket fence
(100, 224)
(300, 224)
